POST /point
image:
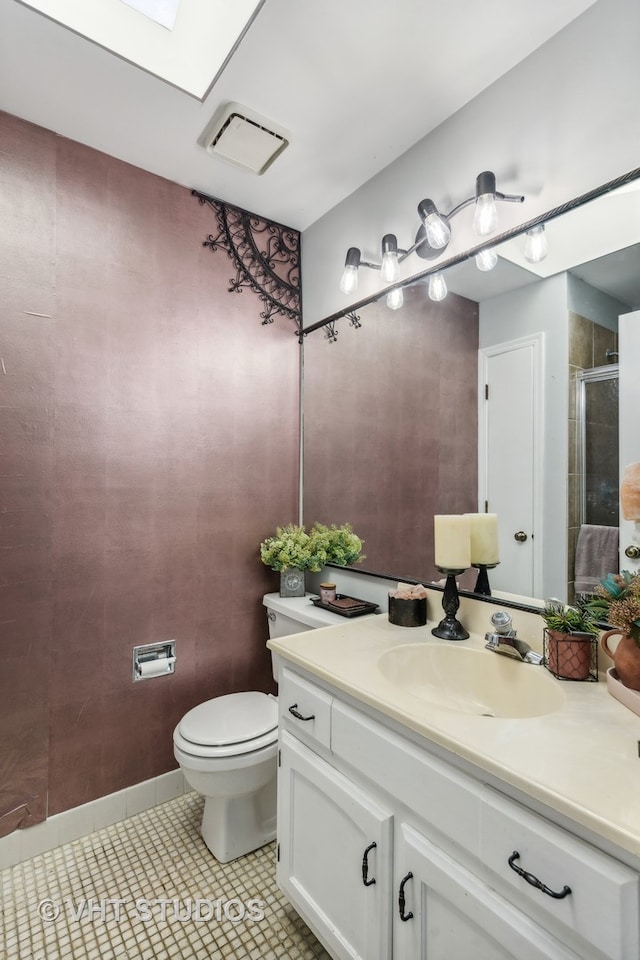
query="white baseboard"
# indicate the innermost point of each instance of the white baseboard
(80, 821)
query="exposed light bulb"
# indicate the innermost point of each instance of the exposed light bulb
(390, 266)
(535, 246)
(349, 281)
(437, 286)
(395, 298)
(485, 218)
(438, 233)
(436, 228)
(486, 259)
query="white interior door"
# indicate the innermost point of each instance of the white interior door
(629, 393)
(510, 454)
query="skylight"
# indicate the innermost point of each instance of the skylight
(163, 12)
(185, 42)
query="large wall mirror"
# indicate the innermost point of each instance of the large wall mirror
(396, 427)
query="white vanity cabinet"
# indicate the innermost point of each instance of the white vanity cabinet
(360, 801)
(334, 858)
(446, 912)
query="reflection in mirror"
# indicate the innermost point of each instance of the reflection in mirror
(393, 409)
(391, 427)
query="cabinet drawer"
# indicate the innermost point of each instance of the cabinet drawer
(602, 906)
(305, 710)
(439, 795)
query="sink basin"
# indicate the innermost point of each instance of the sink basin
(469, 681)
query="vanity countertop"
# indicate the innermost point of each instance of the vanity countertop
(582, 760)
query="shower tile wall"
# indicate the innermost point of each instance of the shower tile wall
(149, 441)
(588, 346)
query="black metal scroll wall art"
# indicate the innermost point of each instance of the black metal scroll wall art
(266, 256)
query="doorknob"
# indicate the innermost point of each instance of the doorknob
(520, 536)
(632, 552)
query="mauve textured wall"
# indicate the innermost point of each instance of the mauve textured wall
(390, 433)
(149, 441)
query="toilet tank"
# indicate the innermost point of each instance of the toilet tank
(289, 615)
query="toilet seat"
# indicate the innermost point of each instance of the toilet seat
(231, 725)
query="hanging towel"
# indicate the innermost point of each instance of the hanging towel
(596, 556)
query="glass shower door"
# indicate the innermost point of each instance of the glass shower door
(599, 472)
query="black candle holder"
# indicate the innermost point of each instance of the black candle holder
(449, 627)
(482, 583)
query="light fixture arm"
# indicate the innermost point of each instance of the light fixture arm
(506, 197)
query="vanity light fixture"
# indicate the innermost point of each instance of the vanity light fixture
(434, 235)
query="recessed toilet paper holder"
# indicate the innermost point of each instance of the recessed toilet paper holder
(154, 660)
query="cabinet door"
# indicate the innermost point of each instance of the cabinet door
(444, 912)
(335, 849)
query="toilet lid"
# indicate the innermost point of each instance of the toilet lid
(234, 718)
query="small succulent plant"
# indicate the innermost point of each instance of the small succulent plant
(566, 619)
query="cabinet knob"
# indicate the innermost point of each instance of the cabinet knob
(632, 552)
(520, 536)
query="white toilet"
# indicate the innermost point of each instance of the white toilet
(227, 748)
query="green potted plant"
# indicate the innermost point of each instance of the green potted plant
(616, 603)
(337, 545)
(569, 640)
(292, 551)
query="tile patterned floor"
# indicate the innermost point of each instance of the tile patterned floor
(148, 889)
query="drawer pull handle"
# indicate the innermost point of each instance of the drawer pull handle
(293, 709)
(538, 884)
(401, 902)
(365, 866)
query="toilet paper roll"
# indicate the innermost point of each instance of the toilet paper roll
(156, 667)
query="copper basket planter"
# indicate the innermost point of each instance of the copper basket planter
(571, 656)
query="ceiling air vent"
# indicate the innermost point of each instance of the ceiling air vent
(244, 139)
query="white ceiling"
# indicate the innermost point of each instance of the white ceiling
(355, 82)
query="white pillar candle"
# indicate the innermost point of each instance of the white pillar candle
(452, 542)
(484, 537)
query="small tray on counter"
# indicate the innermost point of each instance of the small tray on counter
(354, 608)
(630, 698)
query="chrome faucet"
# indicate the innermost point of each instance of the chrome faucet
(503, 640)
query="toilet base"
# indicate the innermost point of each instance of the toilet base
(234, 826)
